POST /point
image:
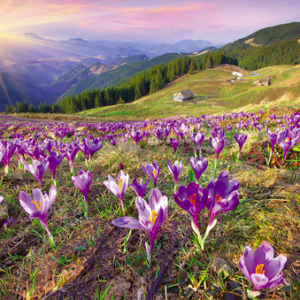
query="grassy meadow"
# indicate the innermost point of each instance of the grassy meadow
(222, 95)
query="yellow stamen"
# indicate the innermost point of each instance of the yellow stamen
(287, 140)
(218, 198)
(153, 216)
(120, 183)
(154, 172)
(259, 269)
(193, 199)
(37, 206)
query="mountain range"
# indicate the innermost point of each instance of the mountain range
(37, 69)
(51, 67)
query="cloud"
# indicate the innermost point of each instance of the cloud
(114, 21)
(154, 20)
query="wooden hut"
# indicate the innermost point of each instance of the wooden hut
(183, 96)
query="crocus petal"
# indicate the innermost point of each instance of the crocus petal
(113, 187)
(49, 199)
(259, 280)
(128, 222)
(37, 195)
(248, 261)
(184, 204)
(233, 185)
(226, 204)
(275, 282)
(154, 199)
(142, 207)
(263, 254)
(26, 203)
(275, 266)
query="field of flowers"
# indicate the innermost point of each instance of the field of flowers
(202, 207)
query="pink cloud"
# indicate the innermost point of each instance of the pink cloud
(114, 21)
(225, 20)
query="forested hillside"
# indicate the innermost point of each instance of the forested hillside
(252, 58)
(271, 35)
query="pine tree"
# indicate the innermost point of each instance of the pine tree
(177, 64)
(97, 101)
(108, 96)
(139, 87)
(31, 109)
(192, 67)
(171, 72)
(158, 80)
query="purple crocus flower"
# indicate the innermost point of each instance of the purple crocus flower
(217, 133)
(241, 139)
(223, 196)
(1, 199)
(20, 149)
(151, 216)
(92, 146)
(70, 155)
(63, 147)
(181, 130)
(259, 127)
(140, 189)
(136, 136)
(152, 171)
(158, 133)
(34, 151)
(192, 199)
(166, 131)
(218, 144)
(54, 160)
(8, 222)
(38, 206)
(82, 182)
(296, 119)
(272, 137)
(229, 127)
(261, 268)
(37, 169)
(174, 143)
(175, 171)
(113, 141)
(197, 138)
(83, 148)
(7, 149)
(48, 144)
(286, 142)
(198, 166)
(118, 188)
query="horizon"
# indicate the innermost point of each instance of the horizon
(217, 21)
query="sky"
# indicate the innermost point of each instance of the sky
(218, 21)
